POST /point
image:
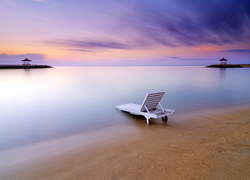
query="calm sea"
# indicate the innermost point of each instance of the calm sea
(39, 104)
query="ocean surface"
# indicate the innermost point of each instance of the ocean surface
(40, 104)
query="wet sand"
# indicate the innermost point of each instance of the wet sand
(208, 144)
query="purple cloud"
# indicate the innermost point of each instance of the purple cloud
(97, 44)
(237, 50)
(85, 45)
(174, 57)
(172, 23)
(81, 50)
(198, 59)
(190, 23)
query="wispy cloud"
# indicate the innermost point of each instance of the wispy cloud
(236, 50)
(80, 50)
(174, 57)
(184, 59)
(89, 45)
(192, 23)
(197, 59)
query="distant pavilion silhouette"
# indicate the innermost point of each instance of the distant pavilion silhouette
(26, 62)
(223, 61)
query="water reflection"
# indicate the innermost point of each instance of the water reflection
(222, 73)
(47, 103)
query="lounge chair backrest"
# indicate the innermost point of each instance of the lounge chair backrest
(151, 101)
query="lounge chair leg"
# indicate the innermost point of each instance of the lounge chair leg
(148, 121)
(165, 118)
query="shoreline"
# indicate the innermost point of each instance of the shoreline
(210, 144)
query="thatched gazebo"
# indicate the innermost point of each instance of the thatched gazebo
(26, 62)
(223, 61)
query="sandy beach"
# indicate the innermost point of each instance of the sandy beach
(206, 144)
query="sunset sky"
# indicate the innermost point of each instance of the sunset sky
(124, 32)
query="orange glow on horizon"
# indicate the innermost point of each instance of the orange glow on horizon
(208, 48)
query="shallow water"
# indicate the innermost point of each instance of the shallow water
(39, 104)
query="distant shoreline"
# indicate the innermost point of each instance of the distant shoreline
(24, 66)
(229, 65)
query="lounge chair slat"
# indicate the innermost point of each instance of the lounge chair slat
(151, 101)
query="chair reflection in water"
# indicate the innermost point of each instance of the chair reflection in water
(150, 108)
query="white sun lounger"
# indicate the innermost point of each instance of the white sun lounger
(148, 108)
